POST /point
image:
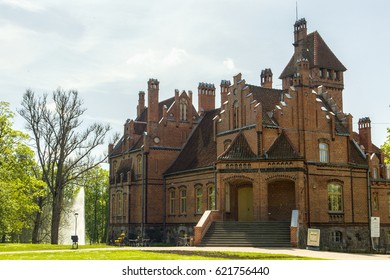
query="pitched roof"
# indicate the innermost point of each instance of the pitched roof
(317, 52)
(200, 150)
(239, 149)
(282, 149)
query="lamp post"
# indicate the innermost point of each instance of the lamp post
(75, 226)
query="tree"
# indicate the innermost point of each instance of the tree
(95, 184)
(18, 185)
(64, 149)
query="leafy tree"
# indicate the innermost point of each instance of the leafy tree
(386, 147)
(64, 148)
(95, 184)
(18, 185)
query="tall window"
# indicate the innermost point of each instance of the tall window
(211, 197)
(120, 205)
(335, 197)
(139, 164)
(172, 202)
(235, 114)
(183, 109)
(324, 152)
(375, 201)
(198, 200)
(183, 201)
(375, 173)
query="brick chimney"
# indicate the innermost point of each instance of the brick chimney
(266, 78)
(141, 103)
(206, 97)
(225, 84)
(300, 31)
(365, 133)
(153, 117)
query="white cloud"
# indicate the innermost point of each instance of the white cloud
(23, 4)
(158, 58)
(229, 64)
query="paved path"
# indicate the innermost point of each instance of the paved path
(288, 251)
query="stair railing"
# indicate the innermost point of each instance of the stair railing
(204, 223)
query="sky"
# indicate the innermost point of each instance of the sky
(108, 49)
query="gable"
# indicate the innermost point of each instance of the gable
(282, 149)
(239, 149)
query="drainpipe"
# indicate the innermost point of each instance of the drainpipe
(143, 196)
(164, 208)
(215, 186)
(369, 206)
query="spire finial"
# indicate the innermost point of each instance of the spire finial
(296, 10)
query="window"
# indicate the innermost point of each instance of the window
(139, 164)
(328, 74)
(198, 200)
(226, 144)
(336, 236)
(183, 109)
(375, 201)
(324, 152)
(211, 197)
(335, 197)
(183, 201)
(120, 204)
(235, 114)
(114, 168)
(375, 173)
(172, 202)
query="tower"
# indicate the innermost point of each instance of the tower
(153, 114)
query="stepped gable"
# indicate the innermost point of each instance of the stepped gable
(200, 150)
(317, 52)
(239, 149)
(268, 98)
(356, 155)
(282, 149)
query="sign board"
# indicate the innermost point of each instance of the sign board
(313, 237)
(375, 227)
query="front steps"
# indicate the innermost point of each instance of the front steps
(247, 234)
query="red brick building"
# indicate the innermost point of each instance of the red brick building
(263, 154)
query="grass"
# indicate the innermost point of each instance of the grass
(104, 252)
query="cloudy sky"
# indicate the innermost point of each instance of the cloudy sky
(108, 49)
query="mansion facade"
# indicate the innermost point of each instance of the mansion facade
(264, 154)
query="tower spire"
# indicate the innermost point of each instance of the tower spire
(296, 10)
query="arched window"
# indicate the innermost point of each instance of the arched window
(120, 204)
(210, 197)
(335, 197)
(198, 199)
(226, 144)
(183, 109)
(183, 201)
(172, 202)
(375, 173)
(324, 152)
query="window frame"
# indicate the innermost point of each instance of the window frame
(183, 200)
(323, 148)
(172, 202)
(335, 197)
(211, 197)
(198, 199)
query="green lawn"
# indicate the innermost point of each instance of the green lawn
(103, 252)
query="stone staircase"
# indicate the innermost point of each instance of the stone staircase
(247, 234)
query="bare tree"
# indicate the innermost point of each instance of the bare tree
(64, 148)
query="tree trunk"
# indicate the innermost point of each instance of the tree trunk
(56, 215)
(37, 222)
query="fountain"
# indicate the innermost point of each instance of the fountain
(74, 221)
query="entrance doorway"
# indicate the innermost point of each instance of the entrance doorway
(281, 200)
(245, 203)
